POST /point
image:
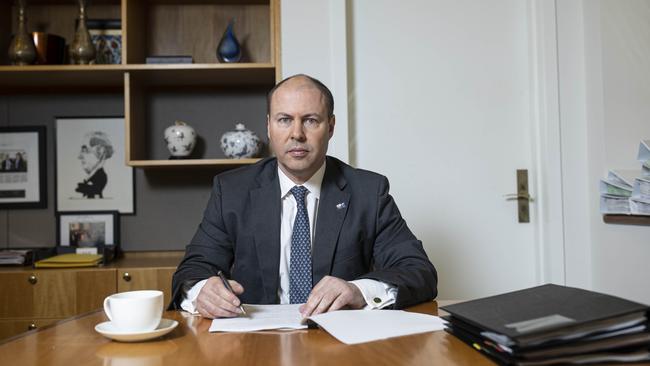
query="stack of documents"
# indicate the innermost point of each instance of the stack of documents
(14, 257)
(70, 260)
(348, 326)
(553, 324)
(628, 192)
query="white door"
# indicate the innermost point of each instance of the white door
(444, 102)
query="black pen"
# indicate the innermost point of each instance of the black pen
(225, 283)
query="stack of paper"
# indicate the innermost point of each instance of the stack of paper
(70, 260)
(13, 256)
(348, 326)
(553, 324)
(628, 192)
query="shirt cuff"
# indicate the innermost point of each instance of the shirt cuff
(377, 294)
(189, 301)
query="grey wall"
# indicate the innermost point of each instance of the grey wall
(169, 202)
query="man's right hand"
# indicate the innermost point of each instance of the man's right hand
(215, 301)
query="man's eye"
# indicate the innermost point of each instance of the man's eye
(311, 122)
(284, 121)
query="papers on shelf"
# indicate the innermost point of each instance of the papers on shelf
(348, 326)
(610, 204)
(639, 207)
(13, 256)
(614, 189)
(644, 151)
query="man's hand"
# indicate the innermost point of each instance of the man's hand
(215, 301)
(332, 293)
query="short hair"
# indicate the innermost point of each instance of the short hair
(99, 138)
(327, 94)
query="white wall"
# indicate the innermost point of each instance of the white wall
(616, 84)
(314, 42)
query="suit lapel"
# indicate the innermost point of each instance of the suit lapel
(265, 203)
(332, 208)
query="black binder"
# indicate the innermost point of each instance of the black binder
(546, 313)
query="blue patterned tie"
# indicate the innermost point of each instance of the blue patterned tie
(300, 263)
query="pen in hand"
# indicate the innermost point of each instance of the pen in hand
(227, 284)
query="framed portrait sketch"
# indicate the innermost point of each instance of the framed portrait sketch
(88, 229)
(22, 167)
(91, 170)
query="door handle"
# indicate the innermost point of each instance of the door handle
(522, 196)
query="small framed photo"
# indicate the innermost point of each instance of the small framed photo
(22, 167)
(91, 170)
(93, 229)
(106, 35)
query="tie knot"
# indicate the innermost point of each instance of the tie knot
(299, 193)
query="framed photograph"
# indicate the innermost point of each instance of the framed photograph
(106, 35)
(22, 167)
(91, 170)
(90, 229)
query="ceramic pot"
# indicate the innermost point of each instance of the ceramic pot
(240, 143)
(181, 139)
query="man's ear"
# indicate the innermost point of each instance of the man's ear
(331, 124)
(268, 126)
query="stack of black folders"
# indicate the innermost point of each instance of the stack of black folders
(551, 324)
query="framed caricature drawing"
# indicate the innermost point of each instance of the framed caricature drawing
(91, 172)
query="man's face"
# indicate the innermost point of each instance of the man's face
(299, 128)
(88, 157)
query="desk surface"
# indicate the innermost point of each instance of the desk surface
(75, 342)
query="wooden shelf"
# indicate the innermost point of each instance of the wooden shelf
(627, 219)
(190, 162)
(36, 77)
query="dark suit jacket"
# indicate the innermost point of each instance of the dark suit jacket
(359, 234)
(93, 186)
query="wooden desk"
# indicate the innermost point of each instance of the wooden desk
(75, 342)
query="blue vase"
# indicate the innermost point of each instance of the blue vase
(229, 49)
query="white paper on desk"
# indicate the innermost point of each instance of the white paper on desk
(261, 317)
(359, 326)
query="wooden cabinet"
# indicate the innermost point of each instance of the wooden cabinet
(208, 95)
(131, 279)
(34, 298)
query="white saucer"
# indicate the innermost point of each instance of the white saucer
(107, 330)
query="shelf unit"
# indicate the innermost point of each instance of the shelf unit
(627, 219)
(163, 27)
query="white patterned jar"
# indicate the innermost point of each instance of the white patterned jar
(240, 143)
(181, 139)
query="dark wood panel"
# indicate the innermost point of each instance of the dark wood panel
(627, 219)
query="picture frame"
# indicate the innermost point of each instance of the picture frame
(23, 178)
(91, 170)
(106, 35)
(88, 229)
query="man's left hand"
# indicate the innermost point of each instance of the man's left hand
(332, 293)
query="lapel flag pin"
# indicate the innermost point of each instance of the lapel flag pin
(340, 205)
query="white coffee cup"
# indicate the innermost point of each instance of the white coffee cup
(134, 311)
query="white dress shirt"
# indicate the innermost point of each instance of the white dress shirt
(376, 293)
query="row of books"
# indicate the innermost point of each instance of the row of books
(552, 324)
(627, 192)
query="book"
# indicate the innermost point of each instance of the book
(70, 260)
(169, 59)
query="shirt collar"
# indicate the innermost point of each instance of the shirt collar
(313, 184)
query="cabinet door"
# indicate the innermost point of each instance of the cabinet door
(54, 293)
(10, 328)
(17, 297)
(146, 279)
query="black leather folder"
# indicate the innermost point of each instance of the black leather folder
(547, 313)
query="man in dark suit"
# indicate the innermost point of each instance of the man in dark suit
(299, 220)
